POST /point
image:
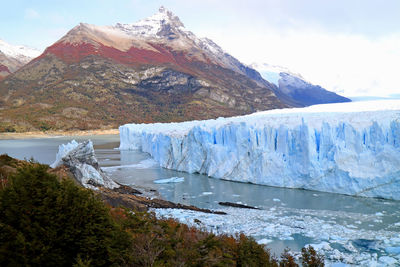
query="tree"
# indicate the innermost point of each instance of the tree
(310, 258)
(55, 223)
(287, 259)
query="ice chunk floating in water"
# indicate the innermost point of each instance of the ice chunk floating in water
(170, 180)
(144, 164)
(348, 148)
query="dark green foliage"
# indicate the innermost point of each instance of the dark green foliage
(252, 254)
(12, 247)
(7, 127)
(48, 222)
(54, 222)
(44, 126)
(310, 258)
(169, 243)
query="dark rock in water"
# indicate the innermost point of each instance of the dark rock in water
(124, 189)
(116, 199)
(236, 205)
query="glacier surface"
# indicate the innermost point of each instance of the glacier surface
(347, 148)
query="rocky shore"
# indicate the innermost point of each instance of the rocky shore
(127, 197)
(39, 134)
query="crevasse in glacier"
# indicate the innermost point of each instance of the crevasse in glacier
(348, 148)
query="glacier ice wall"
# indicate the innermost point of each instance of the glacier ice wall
(327, 148)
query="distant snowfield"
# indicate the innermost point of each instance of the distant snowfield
(348, 148)
(19, 52)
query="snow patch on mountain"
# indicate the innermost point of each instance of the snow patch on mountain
(22, 53)
(152, 26)
(348, 148)
(265, 67)
(165, 25)
(276, 74)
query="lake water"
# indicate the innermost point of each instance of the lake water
(352, 229)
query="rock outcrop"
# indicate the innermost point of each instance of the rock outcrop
(81, 161)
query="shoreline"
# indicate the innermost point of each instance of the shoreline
(38, 134)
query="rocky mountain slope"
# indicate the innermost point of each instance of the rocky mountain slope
(292, 89)
(149, 71)
(14, 57)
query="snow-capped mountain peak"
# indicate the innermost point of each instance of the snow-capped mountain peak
(162, 24)
(294, 88)
(19, 52)
(163, 28)
(14, 57)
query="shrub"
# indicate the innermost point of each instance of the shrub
(54, 223)
(252, 254)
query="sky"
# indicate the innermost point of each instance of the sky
(351, 47)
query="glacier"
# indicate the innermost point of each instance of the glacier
(346, 148)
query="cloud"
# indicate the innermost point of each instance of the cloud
(31, 14)
(350, 47)
(349, 64)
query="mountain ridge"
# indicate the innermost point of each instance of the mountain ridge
(14, 57)
(150, 71)
(153, 70)
(293, 89)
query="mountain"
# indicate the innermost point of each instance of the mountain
(150, 71)
(293, 90)
(14, 57)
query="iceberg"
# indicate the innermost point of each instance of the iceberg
(144, 164)
(170, 180)
(347, 148)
